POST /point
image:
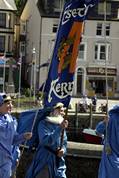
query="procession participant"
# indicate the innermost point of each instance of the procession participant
(15, 153)
(15, 148)
(84, 102)
(8, 136)
(101, 127)
(109, 165)
(94, 102)
(49, 158)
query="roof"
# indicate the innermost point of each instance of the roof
(8, 5)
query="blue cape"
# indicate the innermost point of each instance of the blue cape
(109, 166)
(28, 121)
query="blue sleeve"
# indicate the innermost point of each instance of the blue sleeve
(16, 152)
(15, 156)
(18, 138)
(65, 143)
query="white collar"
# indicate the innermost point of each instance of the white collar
(55, 119)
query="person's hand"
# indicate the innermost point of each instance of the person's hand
(28, 135)
(17, 162)
(64, 124)
(60, 152)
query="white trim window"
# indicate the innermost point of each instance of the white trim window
(102, 51)
(99, 29)
(54, 28)
(58, 5)
(2, 20)
(103, 29)
(82, 52)
(2, 43)
(101, 8)
(107, 29)
(118, 14)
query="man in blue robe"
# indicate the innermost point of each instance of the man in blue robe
(109, 165)
(49, 160)
(8, 136)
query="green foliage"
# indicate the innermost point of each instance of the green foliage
(20, 4)
(40, 94)
(27, 92)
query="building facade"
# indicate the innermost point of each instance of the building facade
(7, 43)
(97, 68)
(7, 24)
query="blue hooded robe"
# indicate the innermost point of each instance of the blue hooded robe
(15, 150)
(49, 141)
(8, 138)
(109, 165)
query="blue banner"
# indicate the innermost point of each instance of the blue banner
(60, 81)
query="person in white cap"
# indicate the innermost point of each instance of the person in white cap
(8, 136)
(49, 158)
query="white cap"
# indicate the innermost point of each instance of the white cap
(58, 105)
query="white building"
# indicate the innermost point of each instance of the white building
(97, 62)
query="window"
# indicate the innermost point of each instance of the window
(58, 4)
(2, 43)
(9, 44)
(99, 29)
(2, 20)
(118, 13)
(102, 51)
(107, 29)
(101, 9)
(103, 29)
(55, 27)
(82, 52)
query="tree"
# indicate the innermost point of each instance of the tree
(20, 4)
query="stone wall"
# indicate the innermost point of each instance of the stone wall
(82, 161)
(77, 167)
(80, 167)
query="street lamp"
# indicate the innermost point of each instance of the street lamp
(4, 71)
(31, 80)
(20, 67)
(34, 71)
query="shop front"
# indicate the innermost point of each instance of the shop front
(101, 80)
